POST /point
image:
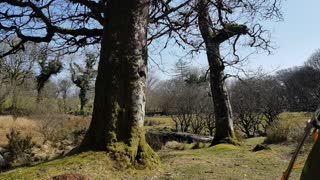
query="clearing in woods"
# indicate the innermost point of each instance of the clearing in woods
(179, 161)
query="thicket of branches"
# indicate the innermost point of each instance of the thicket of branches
(256, 101)
(27, 77)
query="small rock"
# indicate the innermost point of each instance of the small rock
(68, 148)
(3, 163)
(8, 156)
(260, 147)
(3, 150)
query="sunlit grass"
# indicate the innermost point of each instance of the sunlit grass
(180, 160)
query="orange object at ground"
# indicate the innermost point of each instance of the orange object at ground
(315, 135)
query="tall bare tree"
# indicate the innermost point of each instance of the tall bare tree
(15, 68)
(48, 67)
(82, 77)
(220, 28)
(4, 90)
(301, 87)
(64, 87)
(314, 60)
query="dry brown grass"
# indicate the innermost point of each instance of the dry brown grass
(31, 126)
(24, 125)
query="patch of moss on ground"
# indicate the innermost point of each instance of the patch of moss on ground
(96, 165)
(224, 147)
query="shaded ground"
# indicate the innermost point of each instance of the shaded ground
(219, 162)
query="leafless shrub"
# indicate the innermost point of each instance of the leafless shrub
(20, 147)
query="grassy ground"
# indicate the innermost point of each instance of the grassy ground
(218, 162)
(159, 123)
(180, 161)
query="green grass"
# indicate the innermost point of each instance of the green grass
(231, 162)
(219, 162)
(159, 123)
(295, 116)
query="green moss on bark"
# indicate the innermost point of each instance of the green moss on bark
(137, 153)
(228, 140)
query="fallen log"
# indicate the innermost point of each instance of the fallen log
(157, 139)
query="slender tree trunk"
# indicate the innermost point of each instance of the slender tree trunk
(14, 99)
(119, 107)
(64, 101)
(223, 113)
(3, 96)
(39, 96)
(222, 108)
(83, 99)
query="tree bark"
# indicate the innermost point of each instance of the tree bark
(39, 96)
(119, 106)
(83, 99)
(222, 108)
(14, 99)
(64, 101)
(223, 113)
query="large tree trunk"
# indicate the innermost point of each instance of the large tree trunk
(223, 114)
(119, 107)
(222, 108)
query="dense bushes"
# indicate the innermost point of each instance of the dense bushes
(277, 132)
(41, 138)
(289, 128)
(56, 128)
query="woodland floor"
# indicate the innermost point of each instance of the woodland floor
(179, 161)
(219, 162)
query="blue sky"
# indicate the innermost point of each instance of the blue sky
(296, 38)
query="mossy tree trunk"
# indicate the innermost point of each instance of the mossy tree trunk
(223, 113)
(222, 109)
(119, 106)
(83, 99)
